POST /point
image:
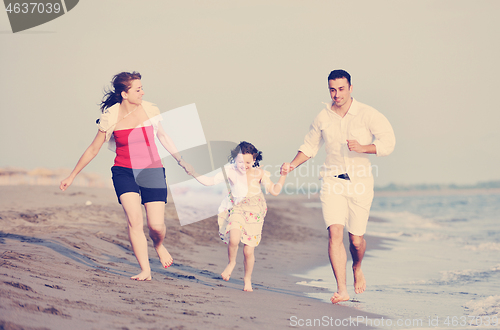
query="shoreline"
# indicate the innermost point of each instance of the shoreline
(67, 264)
(443, 192)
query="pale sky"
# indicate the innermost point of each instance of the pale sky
(257, 71)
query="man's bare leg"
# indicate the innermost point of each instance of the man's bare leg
(338, 259)
(357, 246)
(232, 251)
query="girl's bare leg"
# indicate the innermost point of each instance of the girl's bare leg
(248, 252)
(131, 203)
(155, 212)
(232, 251)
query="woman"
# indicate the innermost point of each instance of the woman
(129, 124)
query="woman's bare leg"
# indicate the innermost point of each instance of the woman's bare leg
(232, 252)
(248, 252)
(131, 203)
(155, 212)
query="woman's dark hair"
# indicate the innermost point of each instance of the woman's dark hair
(246, 148)
(121, 83)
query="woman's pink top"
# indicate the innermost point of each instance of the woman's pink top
(136, 148)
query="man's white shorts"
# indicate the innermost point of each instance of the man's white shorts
(347, 203)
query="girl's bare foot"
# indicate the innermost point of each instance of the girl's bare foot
(226, 274)
(142, 276)
(359, 281)
(339, 297)
(248, 285)
(165, 257)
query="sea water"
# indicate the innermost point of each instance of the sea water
(442, 265)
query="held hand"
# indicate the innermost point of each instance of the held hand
(65, 183)
(354, 145)
(187, 167)
(286, 168)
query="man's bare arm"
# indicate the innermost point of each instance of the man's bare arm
(354, 145)
(299, 159)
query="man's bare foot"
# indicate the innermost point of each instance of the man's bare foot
(248, 285)
(165, 257)
(226, 274)
(359, 280)
(339, 297)
(142, 276)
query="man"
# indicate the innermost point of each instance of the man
(350, 131)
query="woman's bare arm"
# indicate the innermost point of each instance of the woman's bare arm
(86, 158)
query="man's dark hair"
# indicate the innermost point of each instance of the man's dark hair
(337, 74)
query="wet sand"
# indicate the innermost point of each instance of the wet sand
(66, 265)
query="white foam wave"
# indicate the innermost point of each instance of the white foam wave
(466, 275)
(408, 219)
(489, 246)
(430, 236)
(387, 235)
(489, 306)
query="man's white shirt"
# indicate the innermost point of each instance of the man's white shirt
(362, 123)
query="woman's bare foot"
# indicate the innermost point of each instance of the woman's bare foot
(248, 285)
(226, 274)
(359, 281)
(339, 297)
(165, 257)
(142, 276)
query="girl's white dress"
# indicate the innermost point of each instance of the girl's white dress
(246, 213)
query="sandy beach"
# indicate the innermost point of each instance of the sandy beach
(66, 264)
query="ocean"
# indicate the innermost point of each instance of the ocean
(441, 268)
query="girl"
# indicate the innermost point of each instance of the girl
(241, 215)
(129, 124)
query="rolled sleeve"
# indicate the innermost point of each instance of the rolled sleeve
(313, 140)
(103, 122)
(385, 140)
(155, 112)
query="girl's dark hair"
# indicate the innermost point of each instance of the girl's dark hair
(246, 148)
(121, 83)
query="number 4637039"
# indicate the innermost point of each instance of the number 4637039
(33, 8)
(482, 320)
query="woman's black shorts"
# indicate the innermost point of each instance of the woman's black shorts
(149, 183)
